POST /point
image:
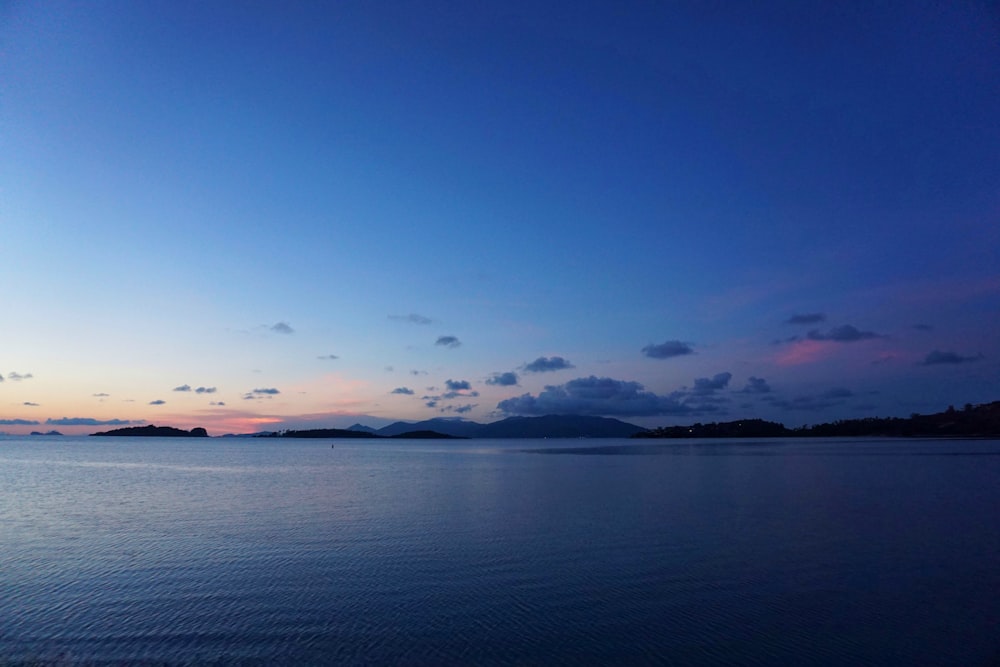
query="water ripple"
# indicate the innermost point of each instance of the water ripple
(438, 556)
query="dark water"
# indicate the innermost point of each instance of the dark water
(576, 552)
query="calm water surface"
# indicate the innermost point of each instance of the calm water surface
(242, 551)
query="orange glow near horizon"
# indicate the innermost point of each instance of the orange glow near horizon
(234, 423)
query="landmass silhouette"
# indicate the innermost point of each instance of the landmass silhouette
(152, 431)
(349, 433)
(971, 421)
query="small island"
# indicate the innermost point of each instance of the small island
(152, 431)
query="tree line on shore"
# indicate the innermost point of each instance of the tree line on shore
(970, 421)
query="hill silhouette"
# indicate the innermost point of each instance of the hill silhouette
(549, 426)
(151, 431)
(972, 421)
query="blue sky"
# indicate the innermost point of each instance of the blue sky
(662, 212)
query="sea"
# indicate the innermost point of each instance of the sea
(244, 551)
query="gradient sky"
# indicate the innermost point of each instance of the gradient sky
(251, 215)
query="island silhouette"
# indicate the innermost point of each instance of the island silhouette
(152, 431)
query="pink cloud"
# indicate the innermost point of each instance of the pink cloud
(804, 352)
(218, 421)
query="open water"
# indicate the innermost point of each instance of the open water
(251, 551)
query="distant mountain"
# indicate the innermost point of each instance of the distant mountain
(361, 427)
(559, 426)
(461, 428)
(156, 432)
(549, 426)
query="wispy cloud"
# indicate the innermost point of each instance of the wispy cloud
(205, 390)
(157, 402)
(18, 422)
(454, 389)
(818, 345)
(667, 349)
(183, 387)
(803, 352)
(502, 379)
(406, 391)
(448, 341)
(708, 386)
(884, 358)
(457, 388)
(264, 392)
(756, 385)
(87, 421)
(806, 318)
(282, 328)
(101, 395)
(412, 318)
(938, 357)
(812, 402)
(14, 376)
(845, 333)
(30, 404)
(458, 409)
(329, 357)
(547, 364)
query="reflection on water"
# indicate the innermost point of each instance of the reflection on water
(693, 552)
(788, 447)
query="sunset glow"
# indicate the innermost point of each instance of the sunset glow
(253, 218)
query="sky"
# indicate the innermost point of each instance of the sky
(254, 216)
